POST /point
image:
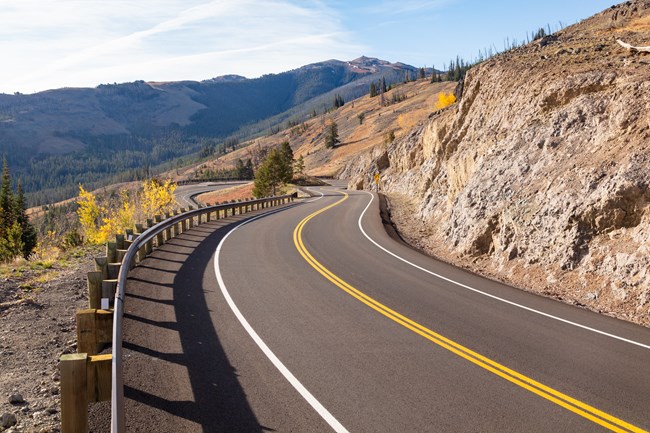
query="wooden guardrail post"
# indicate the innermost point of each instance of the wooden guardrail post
(148, 246)
(184, 223)
(74, 393)
(84, 379)
(168, 230)
(101, 265)
(190, 221)
(111, 251)
(108, 291)
(141, 252)
(119, 241)
(94, 289)
(159, 236)
(94, 329)
(177, 226)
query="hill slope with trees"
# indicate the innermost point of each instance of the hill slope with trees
(56, 139)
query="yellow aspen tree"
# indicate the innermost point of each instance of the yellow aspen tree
(444, 100)
(118, 219)
(157, 198)
(89, 212)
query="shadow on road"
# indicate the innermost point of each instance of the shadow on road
(177, 375)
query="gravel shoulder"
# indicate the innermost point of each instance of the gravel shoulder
(37, 326)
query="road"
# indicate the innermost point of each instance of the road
(185, 193)
(312, 319)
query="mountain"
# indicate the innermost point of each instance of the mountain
(540, 175)
(56, 139)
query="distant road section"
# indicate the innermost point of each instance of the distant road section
(185, 193)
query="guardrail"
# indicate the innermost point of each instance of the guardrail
(85, 378)
(213, 179)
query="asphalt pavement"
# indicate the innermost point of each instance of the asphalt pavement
(310, 319)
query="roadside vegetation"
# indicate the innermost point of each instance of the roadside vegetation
(17, 234)
(102, 221)
(275, 172)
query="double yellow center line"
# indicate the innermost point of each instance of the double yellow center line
(591, 413)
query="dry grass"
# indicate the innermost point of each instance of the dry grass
(421, 97)
(639, 25)
(240, 192)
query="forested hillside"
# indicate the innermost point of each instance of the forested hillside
(56, 139)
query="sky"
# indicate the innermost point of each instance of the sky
(46, 44)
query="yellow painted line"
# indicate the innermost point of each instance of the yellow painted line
(591, 413)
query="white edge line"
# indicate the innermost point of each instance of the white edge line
(316, 199)
(324, 413)
(532, 310)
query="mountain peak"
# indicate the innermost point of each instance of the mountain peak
(226, 79)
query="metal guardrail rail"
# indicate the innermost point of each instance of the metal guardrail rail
(117, 385)
(213, 179)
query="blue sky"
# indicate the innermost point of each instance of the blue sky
(55, 43)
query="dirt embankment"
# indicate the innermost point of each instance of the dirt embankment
(540, 175)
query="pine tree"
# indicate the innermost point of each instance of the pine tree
(28, 237)
(383, 85)
(286, 168)
(338, 101)
(239, 167)
(11, 244)
(270, 174)
(332, 138)
(6, 200)
(299, 165)
(422, 73)
(373, 90)
(249, 169)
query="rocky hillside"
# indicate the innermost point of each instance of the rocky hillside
(539, 176)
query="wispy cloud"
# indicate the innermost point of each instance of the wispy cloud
(387, 7)
(71, 43)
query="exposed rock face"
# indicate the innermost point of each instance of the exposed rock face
(540, 174)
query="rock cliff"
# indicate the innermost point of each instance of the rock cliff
(539, 175)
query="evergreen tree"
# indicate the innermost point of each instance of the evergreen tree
(286, 168)
(299, 165)
(249, 169)
(383, 85)
(6, 200)
(338, 101)
(11, 244)
(239, 168)
(270, 175)
(422, 73)
(332, 138)
(28, 237)
(539, 34)
(373, 90)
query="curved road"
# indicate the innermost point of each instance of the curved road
(185, 193)
(312, 319)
